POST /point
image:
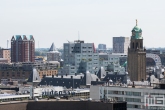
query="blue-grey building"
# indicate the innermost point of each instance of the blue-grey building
(80, 57)
(120, 44)
(102, 46)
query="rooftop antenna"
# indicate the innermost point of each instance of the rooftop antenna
(136, 22)
(7, 43)
(68, 41)
(78, 36)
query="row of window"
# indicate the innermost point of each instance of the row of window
(122, 93)
(12, 73)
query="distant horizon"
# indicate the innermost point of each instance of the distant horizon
(95, 47)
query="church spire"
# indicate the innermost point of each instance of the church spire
(136, 22)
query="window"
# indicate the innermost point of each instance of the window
(136, 93)
(128, 93)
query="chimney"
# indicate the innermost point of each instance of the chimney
(71, 77)
(52, 76)
(142, 80)
(133, 85)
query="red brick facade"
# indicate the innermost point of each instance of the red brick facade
(22, 49)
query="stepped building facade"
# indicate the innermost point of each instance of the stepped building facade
(22, 48)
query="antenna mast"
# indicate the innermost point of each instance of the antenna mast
(7, 43)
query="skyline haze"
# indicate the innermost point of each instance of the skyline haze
(97, 21)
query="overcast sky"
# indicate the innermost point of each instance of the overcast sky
(96, 20)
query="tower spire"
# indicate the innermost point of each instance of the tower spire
(136, 22)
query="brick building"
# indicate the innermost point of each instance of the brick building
(22, 48)
(5, 54)
(137, 56)
(21, 71)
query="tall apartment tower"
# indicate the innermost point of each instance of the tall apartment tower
(80, 57)
(22, 48)
(136, 56)
(120, 44)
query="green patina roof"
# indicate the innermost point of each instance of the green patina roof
(137, 33)
(17, 37)
(136, 28)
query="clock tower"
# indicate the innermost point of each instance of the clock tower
(136, 56)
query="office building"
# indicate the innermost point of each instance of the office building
(152, 51)
(120, 44)
(114, 60)
(136, 56)
(102, 46)
(134, 96)
(80, 57)
(53, 54)
(22, 48)
(5, 55)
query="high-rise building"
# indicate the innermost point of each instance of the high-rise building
(53, 54)
(5, 54)
(80, 57)
(120, 44)
(102, 46)
(22, 48)
(136, 56)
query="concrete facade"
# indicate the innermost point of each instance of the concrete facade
(80, 57)
(120, 44)
(133, 96)
(102, 46)
(53, 54)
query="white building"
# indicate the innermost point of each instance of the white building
(120, 44)
(133, 96)
(53, 54)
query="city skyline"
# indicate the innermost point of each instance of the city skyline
(97, 21)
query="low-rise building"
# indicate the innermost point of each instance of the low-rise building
(21, 71)
(5, 56)
(134, 95)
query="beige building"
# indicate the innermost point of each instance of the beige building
(5, 54)
(136, 56)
